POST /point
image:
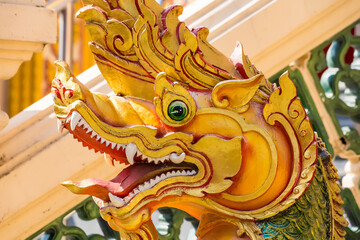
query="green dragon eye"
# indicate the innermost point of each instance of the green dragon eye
(177, 110)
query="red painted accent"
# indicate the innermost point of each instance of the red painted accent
(349, 57)
(80, 134)
(236, 58)
(138, 8)
(197, 30)
(178, 32)
(325, 50)
(185, 73)
(71, 92)
(56, 92)
(165, 13)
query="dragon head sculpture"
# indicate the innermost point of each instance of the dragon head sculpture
(191, 128)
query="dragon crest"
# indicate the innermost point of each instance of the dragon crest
(191, 128)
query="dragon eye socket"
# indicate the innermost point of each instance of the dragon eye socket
(177, 110)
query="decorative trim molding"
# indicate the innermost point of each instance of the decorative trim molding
(26, 26)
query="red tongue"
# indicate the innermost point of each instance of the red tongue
(94, 187)
(121, 185)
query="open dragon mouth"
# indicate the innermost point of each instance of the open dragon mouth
(140, 173)
(138, 178)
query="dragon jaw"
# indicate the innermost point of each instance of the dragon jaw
(154, 167)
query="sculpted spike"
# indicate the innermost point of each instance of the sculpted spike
(196, 131)
(133, 41)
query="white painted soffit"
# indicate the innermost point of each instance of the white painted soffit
(36, 157)
(273, 32)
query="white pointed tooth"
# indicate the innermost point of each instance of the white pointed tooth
(152, 182)
(141, 187)
(102, 140)
(113, 145)
(147, 185)
(183, 172)
(118, 202)
(97, 137)
(131, 195)
(107, 142)
(98, 201)
(81, 122)
(143, 157)
(138, 153)
(163, 176)
(93, 133)
(85, 124)
(60, 125)
(136, 191)
(168, 174)
(193, 172)
(130, 152)
(118, 146)
(75, 118)
(109, 160)
(89, 130)
(176, 158)
(127, 199)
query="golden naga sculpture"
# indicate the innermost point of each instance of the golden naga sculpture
(194, 130)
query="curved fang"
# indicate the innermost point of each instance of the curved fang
(118, 202)
(130, 152)
(176, 158)
(75, 118)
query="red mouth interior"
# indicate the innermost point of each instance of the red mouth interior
(126, 180)
(85, 138)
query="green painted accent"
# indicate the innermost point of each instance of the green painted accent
(170, 221)
(301, 221)
(353, 214)
(353, 138)
(339, 86)
(87, 210)
(308, 103)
